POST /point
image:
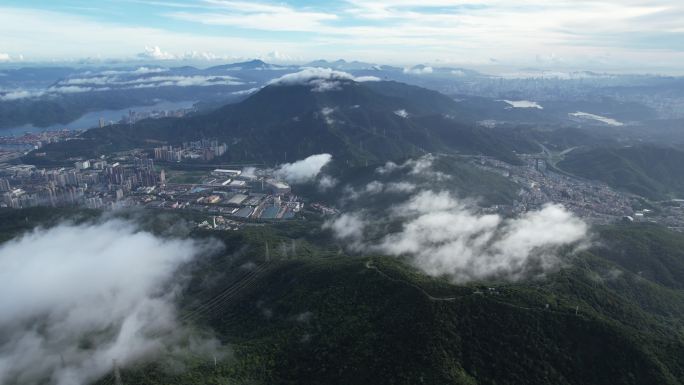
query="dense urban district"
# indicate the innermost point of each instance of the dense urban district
(228, 197)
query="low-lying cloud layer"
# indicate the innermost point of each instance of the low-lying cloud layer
(305, 170)
(142, 77)
(76, 297)
(446, 237)
(97, 82)
(418, 70)
(320, 79)
(421, 166)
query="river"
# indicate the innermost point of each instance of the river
(91, 119)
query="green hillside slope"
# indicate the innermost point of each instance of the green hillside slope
(649, 171)
(358, 122)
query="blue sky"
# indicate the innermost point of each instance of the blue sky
(580, 34)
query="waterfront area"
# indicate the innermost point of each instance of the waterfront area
(35, 140)
(101, 118)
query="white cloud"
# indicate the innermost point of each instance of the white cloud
(376, 187)
(523, 104)
(326, 182)
(387, 168)
(246, 92)
(121, 80)
(303, 171)
(148, 70)
(421, 167)
(160, 80)
(278, 57)
(73, 89)
(429, 201)
(255, 15)
(400, 187)
(319, 79)
(598, 35)
(94, 80)
(597, 118)
(401, 114)
(361, 79)
(187, 81)
(19, 94)
(444, 237)
(418, 70)
(5, 58)
(205, 56)
(155, 53)
(76, 297)
(348, 226)
(8, 95)
(327, 112)
(58, 35)
(249, 172)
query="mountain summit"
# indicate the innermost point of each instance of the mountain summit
(322, 110)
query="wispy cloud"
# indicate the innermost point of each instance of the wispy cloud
(74, 298)
(573, 33)
(255, 15)
(142, 77)
(444, 236)
(49, 35)
(304, 170)
(5, 57)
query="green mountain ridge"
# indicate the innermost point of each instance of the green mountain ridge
(358, 122)
(653, 172)
(320, 318)
(312, 315)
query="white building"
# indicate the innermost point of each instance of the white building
(82, 165)
(278, 187)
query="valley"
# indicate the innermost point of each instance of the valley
(309, 225)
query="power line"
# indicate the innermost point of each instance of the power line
(226, 294)
(117, 374)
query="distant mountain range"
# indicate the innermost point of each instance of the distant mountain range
(360, 118)
(48, 95)
(357, 119)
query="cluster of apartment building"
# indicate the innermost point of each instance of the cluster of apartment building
(92, 183)
(591, 200)
(205, 150)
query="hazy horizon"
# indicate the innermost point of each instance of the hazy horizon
(489, 35)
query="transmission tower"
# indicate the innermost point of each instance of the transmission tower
(117, 374)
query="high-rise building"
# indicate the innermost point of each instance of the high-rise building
(4, 185)
(72, 178)
(143, 163)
